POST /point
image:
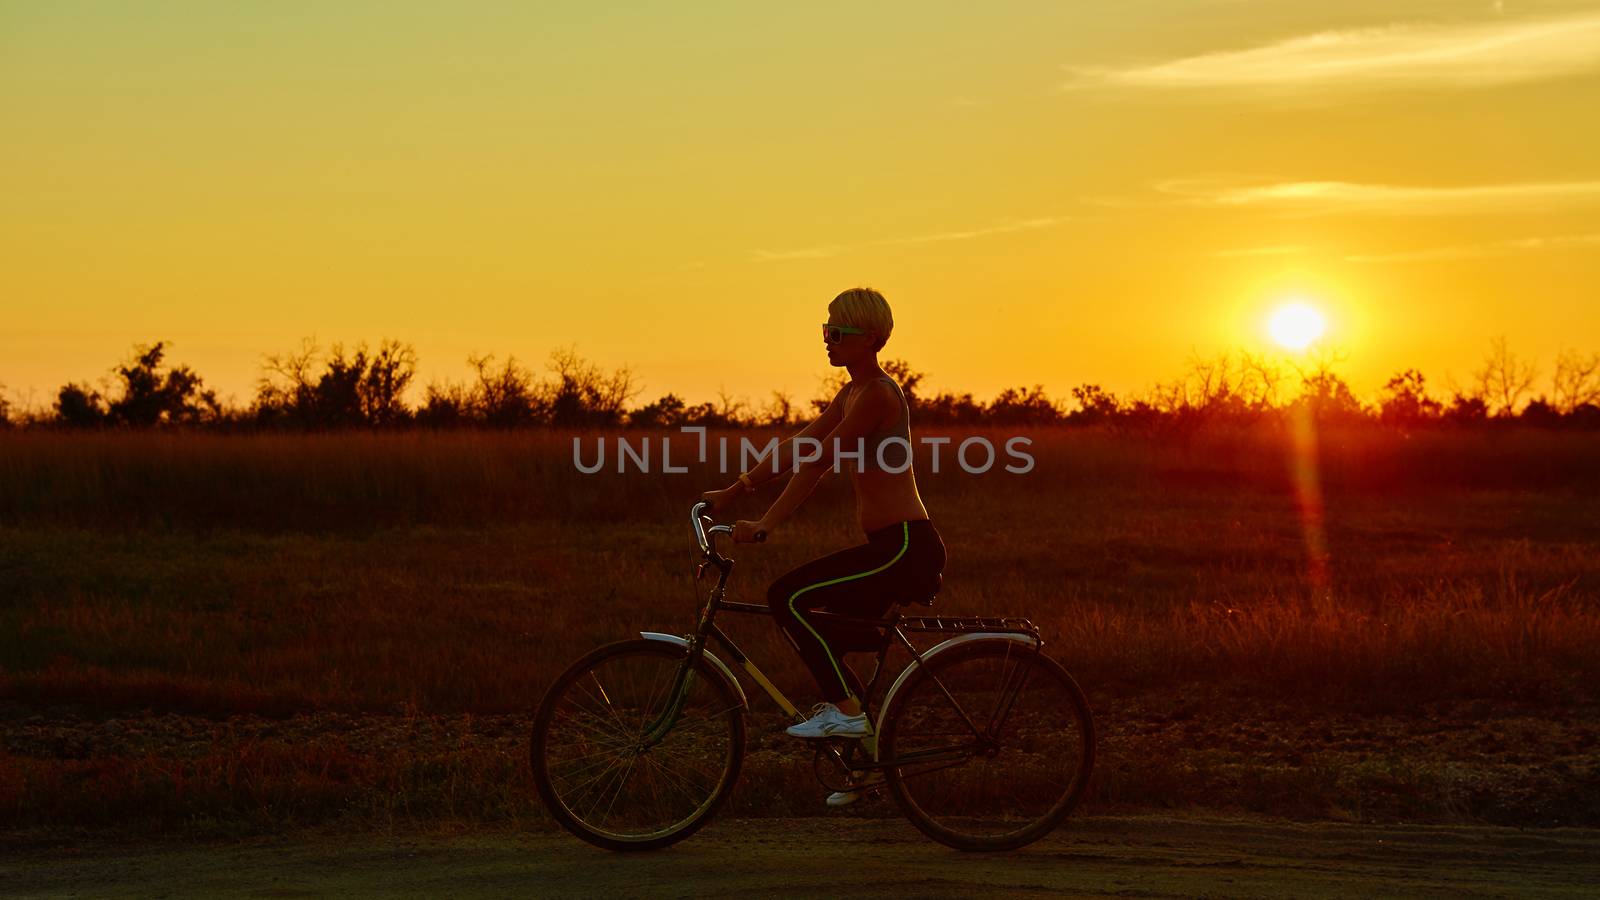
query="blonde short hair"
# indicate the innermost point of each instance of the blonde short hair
(864, 307)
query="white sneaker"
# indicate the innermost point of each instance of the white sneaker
(827, 721)
(845, 798)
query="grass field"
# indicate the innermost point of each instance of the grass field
(229, 632)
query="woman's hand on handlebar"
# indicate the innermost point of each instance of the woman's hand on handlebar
(748, 532)
(721, 500)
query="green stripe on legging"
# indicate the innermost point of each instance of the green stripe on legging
(905, 528)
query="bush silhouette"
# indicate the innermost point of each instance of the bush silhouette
(349, 390)
(1466, 410)
(1405, 400)
(361, 388)
(150, 396)
(79, 407)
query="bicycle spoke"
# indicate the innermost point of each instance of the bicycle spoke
(1011, 779)
(648, 775)
(688, 774)
(592, 734)
(605, 766)
(691, 724)
(592, 763)
(622, 726)
(621, 783)
(605, 786)
(648, 711)
(682, 782)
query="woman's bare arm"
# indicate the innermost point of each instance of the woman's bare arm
(764, 470)
(869, 412)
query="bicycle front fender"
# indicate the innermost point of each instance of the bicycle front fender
(721, 666)
(941, 647)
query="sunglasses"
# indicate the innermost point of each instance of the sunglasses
(833, 334)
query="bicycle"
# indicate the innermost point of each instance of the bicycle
(637, 744)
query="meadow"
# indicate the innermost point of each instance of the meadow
(230, 632)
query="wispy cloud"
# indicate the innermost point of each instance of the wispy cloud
(831, 250)
(803, 253)
(1279, 250)
(1473, 251)
(1006, 228)
(1327, 197)
(1498, 51)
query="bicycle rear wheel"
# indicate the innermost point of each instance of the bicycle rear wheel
(997, 743)
(591, 762)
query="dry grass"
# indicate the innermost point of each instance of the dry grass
(454, 574)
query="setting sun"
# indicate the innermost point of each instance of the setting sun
(1296, 326)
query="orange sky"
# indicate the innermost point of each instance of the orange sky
(1047, 193)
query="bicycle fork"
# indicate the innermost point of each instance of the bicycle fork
(683, 678)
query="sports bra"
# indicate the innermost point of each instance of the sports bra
(895, 454)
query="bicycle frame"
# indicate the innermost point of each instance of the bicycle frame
(897, 626)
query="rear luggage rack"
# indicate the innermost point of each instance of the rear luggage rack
(968, 624)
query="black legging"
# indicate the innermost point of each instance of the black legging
(899, 563)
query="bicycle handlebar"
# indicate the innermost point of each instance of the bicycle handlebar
(706, 536)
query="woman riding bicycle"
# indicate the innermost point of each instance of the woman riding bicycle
(983, 741)
(865, 428)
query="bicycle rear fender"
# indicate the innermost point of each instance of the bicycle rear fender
(722, 667)
(944, 646)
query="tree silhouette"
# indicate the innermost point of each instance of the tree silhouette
(779, 411)
(947, 408)
(1329, 398)
(150, 396)
(908, 378)
(1095, 405)
(1576, 381)
(1259, 379)
(342, 388)
(1023, 406)
(505, 397)
(1215, 389)
(1322, 390)
(389, 372)
(584, 395)
(1405, 400)
(1503, 378)
(1466, 409)
(336, 395)
(1540, 412)
(350, 389)
(79, 407)
(445, 406)
(668, 411)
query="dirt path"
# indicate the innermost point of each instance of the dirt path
(1139, 856)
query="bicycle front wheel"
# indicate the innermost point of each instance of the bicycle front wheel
(995, 743)
(595, 768)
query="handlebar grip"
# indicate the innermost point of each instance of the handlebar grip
(761, 537)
